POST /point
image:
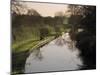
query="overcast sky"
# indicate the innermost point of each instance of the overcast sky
(47, 9)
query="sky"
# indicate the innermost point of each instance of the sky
(47, 9)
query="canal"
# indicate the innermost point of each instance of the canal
(58, 55)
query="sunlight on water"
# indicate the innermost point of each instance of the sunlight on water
(55, 56)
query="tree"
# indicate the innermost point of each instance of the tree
(18, 7)
(75, 19)
(43, 32)
(84, 17)
(86, 40)
(33, 12)
(59, 17)
(89, 21)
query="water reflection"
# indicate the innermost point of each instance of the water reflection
(55, 56)
(65, 40)
(38, 54)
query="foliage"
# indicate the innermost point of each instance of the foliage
(86, 39)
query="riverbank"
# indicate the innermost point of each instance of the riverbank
(54, 56)
(22, 51)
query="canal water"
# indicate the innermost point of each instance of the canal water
(58, 55)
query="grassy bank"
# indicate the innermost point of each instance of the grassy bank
(22, 50)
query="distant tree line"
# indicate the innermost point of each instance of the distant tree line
(34, 23)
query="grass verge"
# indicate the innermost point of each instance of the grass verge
(21, 52)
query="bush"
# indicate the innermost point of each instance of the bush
(86, 43)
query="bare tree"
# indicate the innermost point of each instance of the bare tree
(17, 7)
(75, 18)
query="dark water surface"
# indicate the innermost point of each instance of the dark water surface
(59, 54)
